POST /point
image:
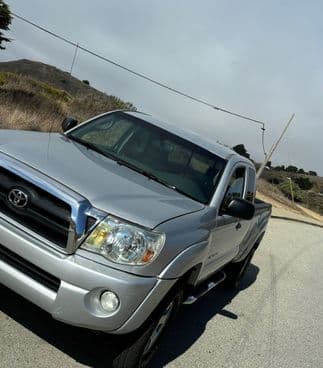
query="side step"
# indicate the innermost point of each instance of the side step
(206, 287)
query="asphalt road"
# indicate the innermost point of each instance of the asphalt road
(274, 320)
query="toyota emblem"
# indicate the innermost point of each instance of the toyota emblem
(18, 198)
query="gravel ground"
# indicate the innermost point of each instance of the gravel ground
(274, 320)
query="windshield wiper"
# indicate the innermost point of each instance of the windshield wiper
(163, 182)
(145, 173)
(159, 180)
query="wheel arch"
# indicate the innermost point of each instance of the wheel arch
(188, 262)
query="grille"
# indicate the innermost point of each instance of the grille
(34, 272)
(44, 213)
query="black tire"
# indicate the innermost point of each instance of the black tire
(139, 349)
(235, 271)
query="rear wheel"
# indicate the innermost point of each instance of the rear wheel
(139, 351)
(236, 271)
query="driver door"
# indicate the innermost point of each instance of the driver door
(229, 231)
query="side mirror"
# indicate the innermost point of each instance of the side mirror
(241, 209)
(69, 123)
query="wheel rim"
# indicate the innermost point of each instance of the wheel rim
(159, 328)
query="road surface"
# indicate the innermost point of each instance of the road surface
(274, 320)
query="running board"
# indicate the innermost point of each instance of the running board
(205, 288)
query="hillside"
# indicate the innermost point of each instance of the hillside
(51, 75)
(307, 189)
(36, 96)
(281, 182)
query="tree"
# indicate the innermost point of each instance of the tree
(301, 171)
(312, 173)
(5, 21)
(304, 183)
(292, 169)
(86, 82)
(279, 168)
(241, 150)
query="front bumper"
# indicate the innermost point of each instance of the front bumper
(81, 282)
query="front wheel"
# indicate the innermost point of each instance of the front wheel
(139, 351)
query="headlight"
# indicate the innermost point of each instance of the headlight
(124, 243)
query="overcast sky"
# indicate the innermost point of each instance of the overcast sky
(261, 58)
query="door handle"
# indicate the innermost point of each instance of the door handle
(238, 226)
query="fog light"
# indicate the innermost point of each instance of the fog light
(109, 301)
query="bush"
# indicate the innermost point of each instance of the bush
(312, 173)
(3, 78)
(298, 194)
(279, 168)
(275, 180)
(292, 168)
(304, 183)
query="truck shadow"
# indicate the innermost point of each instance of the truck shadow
(187, 330)
(93, 349)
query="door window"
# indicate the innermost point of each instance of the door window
(235, 188)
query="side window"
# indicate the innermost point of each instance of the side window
(251, 185)
(235, 187)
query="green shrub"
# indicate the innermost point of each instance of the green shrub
(312, 173)
(304, 183)
(285, 187)
(52, 92)
(274, 180)
(3, 78)
(292, 168)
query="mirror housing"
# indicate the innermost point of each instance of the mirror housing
(69, 123)
(241, 209)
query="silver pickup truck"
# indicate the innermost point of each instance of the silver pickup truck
(114, 224)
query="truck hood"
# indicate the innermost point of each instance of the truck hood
(110, 187)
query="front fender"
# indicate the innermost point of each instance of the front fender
(185, 261)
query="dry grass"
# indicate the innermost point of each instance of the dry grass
(23, 119)
(32, 105)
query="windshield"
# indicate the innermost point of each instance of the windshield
(154, 152)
